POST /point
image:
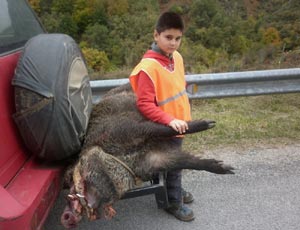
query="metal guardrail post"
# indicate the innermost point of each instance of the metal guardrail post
(231, 84)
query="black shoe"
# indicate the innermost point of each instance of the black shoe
(181, 212)
(187, 197)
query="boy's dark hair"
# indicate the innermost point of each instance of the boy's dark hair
(169, 20)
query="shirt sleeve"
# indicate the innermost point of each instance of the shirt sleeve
(146, 101)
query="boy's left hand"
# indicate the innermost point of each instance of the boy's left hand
(179, 126)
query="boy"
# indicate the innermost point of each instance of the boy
(159, 83)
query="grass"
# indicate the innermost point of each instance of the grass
(244, 121)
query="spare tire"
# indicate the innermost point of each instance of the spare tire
(53, 96)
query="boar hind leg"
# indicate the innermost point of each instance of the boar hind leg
(165, 162)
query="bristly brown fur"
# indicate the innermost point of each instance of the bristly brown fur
(117, 128)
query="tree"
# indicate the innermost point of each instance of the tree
(117, 7)
(271, 36)
(96, 60)
(240, 45)
(35, 4)
(203, 11)
(97, 36)
(62, 6)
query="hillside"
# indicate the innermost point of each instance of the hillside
(220, 36)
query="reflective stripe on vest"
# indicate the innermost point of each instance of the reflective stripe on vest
(160, 103)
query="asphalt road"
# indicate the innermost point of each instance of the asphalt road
(262, 195)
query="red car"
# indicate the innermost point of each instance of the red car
(27, 190)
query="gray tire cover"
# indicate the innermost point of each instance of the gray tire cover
(53, 96)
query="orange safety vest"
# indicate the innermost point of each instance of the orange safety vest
(171, 95)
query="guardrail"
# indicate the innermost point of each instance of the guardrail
(219, 85)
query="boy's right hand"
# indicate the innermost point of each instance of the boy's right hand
(179, 125)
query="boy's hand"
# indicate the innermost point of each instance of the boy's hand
(179, 125)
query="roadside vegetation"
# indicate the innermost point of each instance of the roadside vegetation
(220, 36)
(255, 121)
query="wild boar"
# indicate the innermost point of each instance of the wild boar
(122, 148)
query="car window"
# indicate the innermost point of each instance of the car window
(17, 24)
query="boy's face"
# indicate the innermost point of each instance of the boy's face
(169, 40)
